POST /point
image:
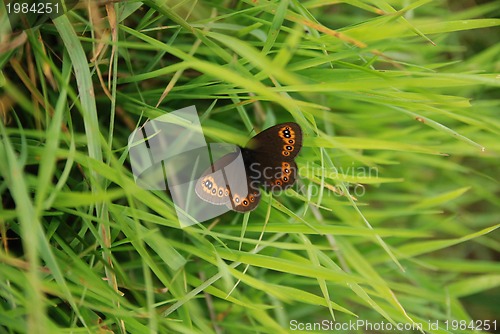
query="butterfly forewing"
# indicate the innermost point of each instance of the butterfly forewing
(282, 141)
(272, 154)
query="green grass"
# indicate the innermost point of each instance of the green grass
(394, 218)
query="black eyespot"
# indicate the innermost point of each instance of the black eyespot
(220, 192)
(285, 179)
(245, 202)
(286, 153)
(213, 191)
(287, 171)
(289, 148)
(291, 141)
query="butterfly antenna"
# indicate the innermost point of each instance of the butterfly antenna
(253, 130)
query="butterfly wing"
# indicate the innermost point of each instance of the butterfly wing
(271, 155)
(244, 204)
(212, 186)
(224, 183)
(283, 140)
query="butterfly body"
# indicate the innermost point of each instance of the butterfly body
(268, 160)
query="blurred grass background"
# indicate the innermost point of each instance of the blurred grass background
(399, 103)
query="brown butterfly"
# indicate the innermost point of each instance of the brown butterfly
(268, 160)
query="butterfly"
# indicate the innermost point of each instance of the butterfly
(268, 162)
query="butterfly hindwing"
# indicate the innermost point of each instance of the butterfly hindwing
(272, 174)
(224, 183)
(212, 186)
(244, 204)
